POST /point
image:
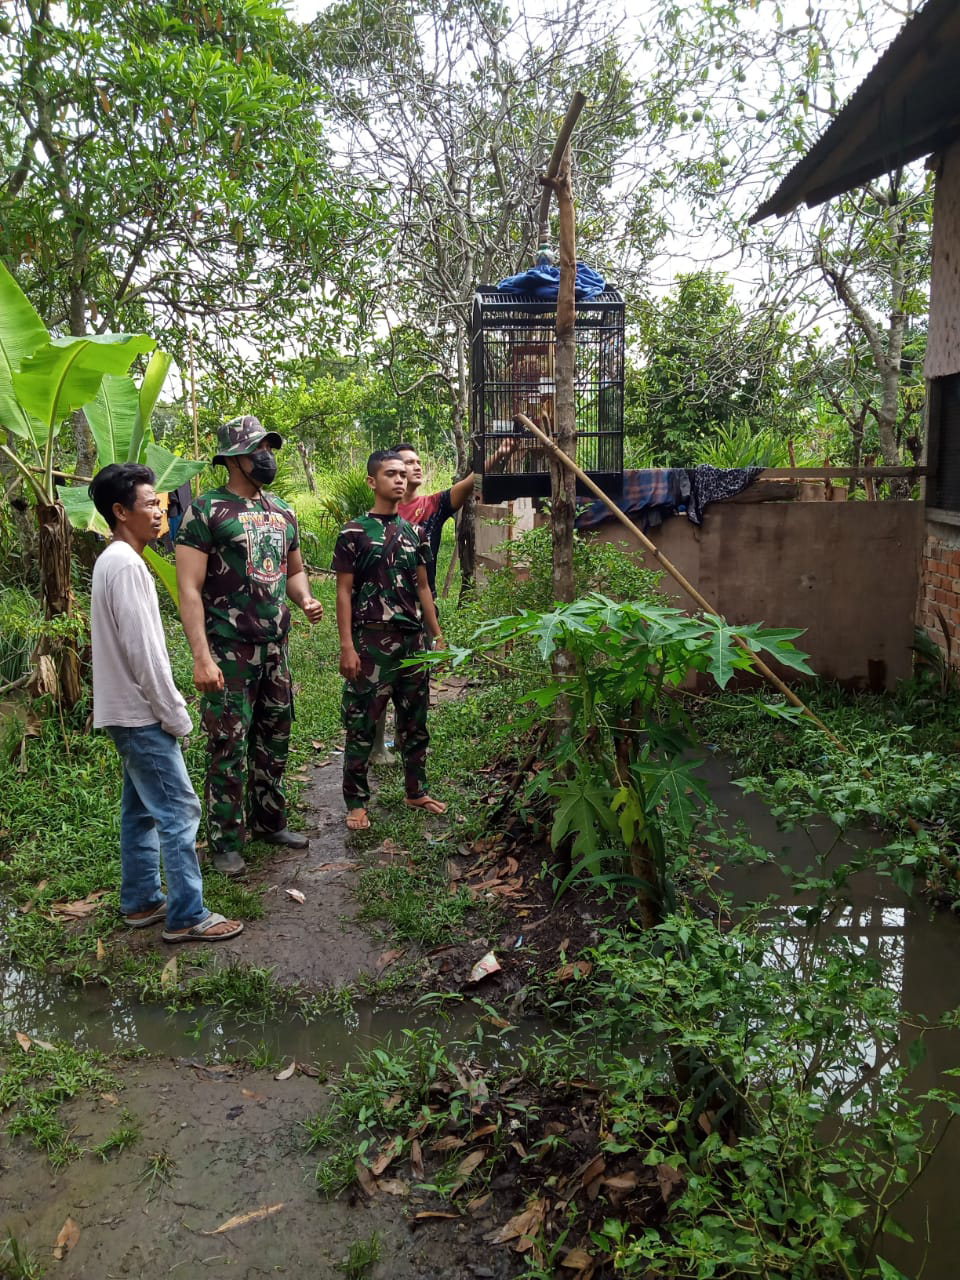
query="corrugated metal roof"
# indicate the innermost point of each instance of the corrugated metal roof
(907, 107)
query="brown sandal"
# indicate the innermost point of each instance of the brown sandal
(357, 820)
(426, 803)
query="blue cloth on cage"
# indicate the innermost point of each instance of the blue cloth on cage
(654, 493)
(542, 283)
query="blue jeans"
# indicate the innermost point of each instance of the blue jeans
(159, 815)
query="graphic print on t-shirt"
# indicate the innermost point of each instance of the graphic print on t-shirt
(266, 545)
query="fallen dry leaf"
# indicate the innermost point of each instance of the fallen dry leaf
(394, 1186)
(241, 1219)
(432, 1213)
(394, 1100)
(23, 1041)
(390, 957)
(296, 895)
(668, 1178)
(29, 905)
(168, 974)
(68, 1237)
(101, 950)
(578, 969)
(523, 1226)
(478, 1203)
(387, 1156)
(576, 1259)
(447, 1144)
(466, 1166)
(336, 866)
(308, 1069)
(111, 1098)
(43, 1044)
(416, 1159)
(254, 1097)
(287, 1071)
(482, 1131)
(621, 1181)
(317, 746)
(368, 1183)
(79, 909)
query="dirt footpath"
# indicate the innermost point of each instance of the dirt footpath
(235, 1144)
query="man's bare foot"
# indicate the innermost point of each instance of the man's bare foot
(426, 803)
(357, 820)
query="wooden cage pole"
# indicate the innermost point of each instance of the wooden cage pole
(674, 573)
(577, 103)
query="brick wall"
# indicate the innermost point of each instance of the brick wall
(940, 588)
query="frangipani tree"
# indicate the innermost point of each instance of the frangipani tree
(42, 381)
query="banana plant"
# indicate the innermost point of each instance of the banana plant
(42, 381)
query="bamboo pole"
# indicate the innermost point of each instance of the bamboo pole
(196, 427)
(675, 573)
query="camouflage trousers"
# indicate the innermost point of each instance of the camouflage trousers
(382, 650)
(248, 738)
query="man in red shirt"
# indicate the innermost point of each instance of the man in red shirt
(430, 510)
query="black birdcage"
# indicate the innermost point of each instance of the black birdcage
(512, 371)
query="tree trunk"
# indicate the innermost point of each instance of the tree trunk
(57, 595)
(307, 470)
(466, 525)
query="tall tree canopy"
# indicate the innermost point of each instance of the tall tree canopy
(166, 168)
(739, 93)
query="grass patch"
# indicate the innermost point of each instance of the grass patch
(34, 1083)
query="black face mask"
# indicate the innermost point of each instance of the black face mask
(263, 467)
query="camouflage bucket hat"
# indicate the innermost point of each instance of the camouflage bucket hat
(242, 435)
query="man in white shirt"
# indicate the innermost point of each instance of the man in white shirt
(137, 702)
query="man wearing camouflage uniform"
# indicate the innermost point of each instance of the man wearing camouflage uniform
(238, 555)
(384, 602)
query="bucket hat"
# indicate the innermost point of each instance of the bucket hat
(243, 435)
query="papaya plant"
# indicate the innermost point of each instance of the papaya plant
(622, 781)
(44, 379)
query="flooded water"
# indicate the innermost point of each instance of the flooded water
(919, 949)
(93, 1018)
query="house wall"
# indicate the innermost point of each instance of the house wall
(846, 572)
(943, 339)
(939, 592)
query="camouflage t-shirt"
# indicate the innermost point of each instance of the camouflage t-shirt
(382, 553)
(247, 541)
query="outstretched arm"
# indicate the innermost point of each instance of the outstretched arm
(461, 491)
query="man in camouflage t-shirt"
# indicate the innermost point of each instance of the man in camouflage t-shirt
(238, 557)
(384, 603)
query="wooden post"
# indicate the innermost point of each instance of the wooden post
(562, 479)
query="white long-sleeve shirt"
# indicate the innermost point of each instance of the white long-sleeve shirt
(132, 680)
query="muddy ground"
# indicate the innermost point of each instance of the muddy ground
(236, 1144)
(235, 1140)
